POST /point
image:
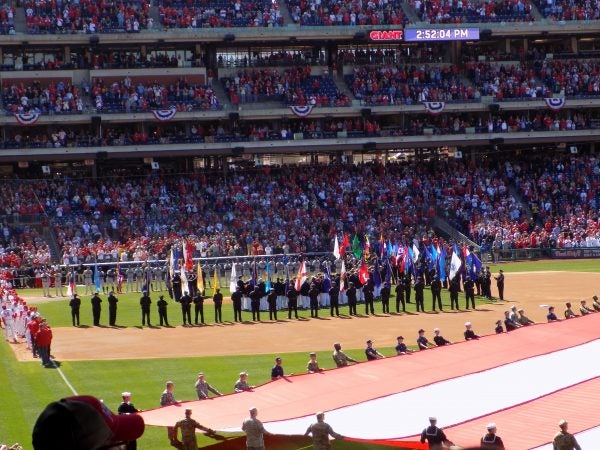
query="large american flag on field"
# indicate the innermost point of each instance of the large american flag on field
(525, 381)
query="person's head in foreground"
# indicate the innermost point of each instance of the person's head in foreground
(83, 423)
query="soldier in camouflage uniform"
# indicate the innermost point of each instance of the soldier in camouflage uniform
(320, 433)
(188, 432)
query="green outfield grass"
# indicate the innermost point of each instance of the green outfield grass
(29, 387)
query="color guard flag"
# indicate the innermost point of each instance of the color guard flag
(268, 283)
(216, 284)
(185, 285)
(97, 284)
(301, 277)
(363, 273)
(415, 253)
(442, 263)
(377, 274)
(146, 286)
(455, 262)
(336, 248)
(356, 247)
(71, 286)
(199, 279)
(187, 255)
(367, 248)
(345, 245)
(232, 279)
(343, 277)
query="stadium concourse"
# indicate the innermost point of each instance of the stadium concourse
(479, 381)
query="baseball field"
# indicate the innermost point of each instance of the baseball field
(105, 361)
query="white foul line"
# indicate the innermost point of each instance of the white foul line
(63, 376)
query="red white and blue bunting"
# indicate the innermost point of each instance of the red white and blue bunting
(555, 104)
(164, 115)
(434, 107)
(302, 111)
(27, 118)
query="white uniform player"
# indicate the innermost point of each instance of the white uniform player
(7, 316)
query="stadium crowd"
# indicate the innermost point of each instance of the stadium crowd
(383, 85)
(89, 16)
(443, 11)
(130, 96)
(220, 14)
(294, 86)
(346, 13)
(126, 217)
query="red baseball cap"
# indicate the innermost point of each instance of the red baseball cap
(83, 423)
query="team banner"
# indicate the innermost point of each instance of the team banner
(164, 115)
(301, 111)
(555, 104)
(27, 118)
(434, 107)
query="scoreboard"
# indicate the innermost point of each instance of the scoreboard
(426, 34)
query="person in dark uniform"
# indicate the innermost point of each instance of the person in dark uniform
(198, 301)
(351, 294)
(487, 282)
(436, 292)
(419, 287)
(368, 291)
(371, 353)
(96, 309)
(400, 295)
(176, 287)
(75, 304)
(479, 282)
(126, 407)
(292, 296)
(313, 295)
(236, 299)
(500, 284)
(407, 286)
(218, 301)
(304, 290)
(277, 370)
(499, 329)
(469, 292)
(334, 298)
(491, 441)
(145, 303)
(435, 436)
(385, 297)
(186, 308)
(469, 333)
(272, 302)
(454, 287)
(422, 342)
(255, 297)
(112, 308)
(162, 311)
(552, 317)
(439, 339)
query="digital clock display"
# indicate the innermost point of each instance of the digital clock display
(440, 34)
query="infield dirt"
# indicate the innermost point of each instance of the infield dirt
(527, 290)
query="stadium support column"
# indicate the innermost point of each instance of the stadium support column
(574, 45)
(331, 54)
(66, 56)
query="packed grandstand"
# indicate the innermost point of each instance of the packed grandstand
(413, 120)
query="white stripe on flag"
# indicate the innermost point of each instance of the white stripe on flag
(459, 399)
